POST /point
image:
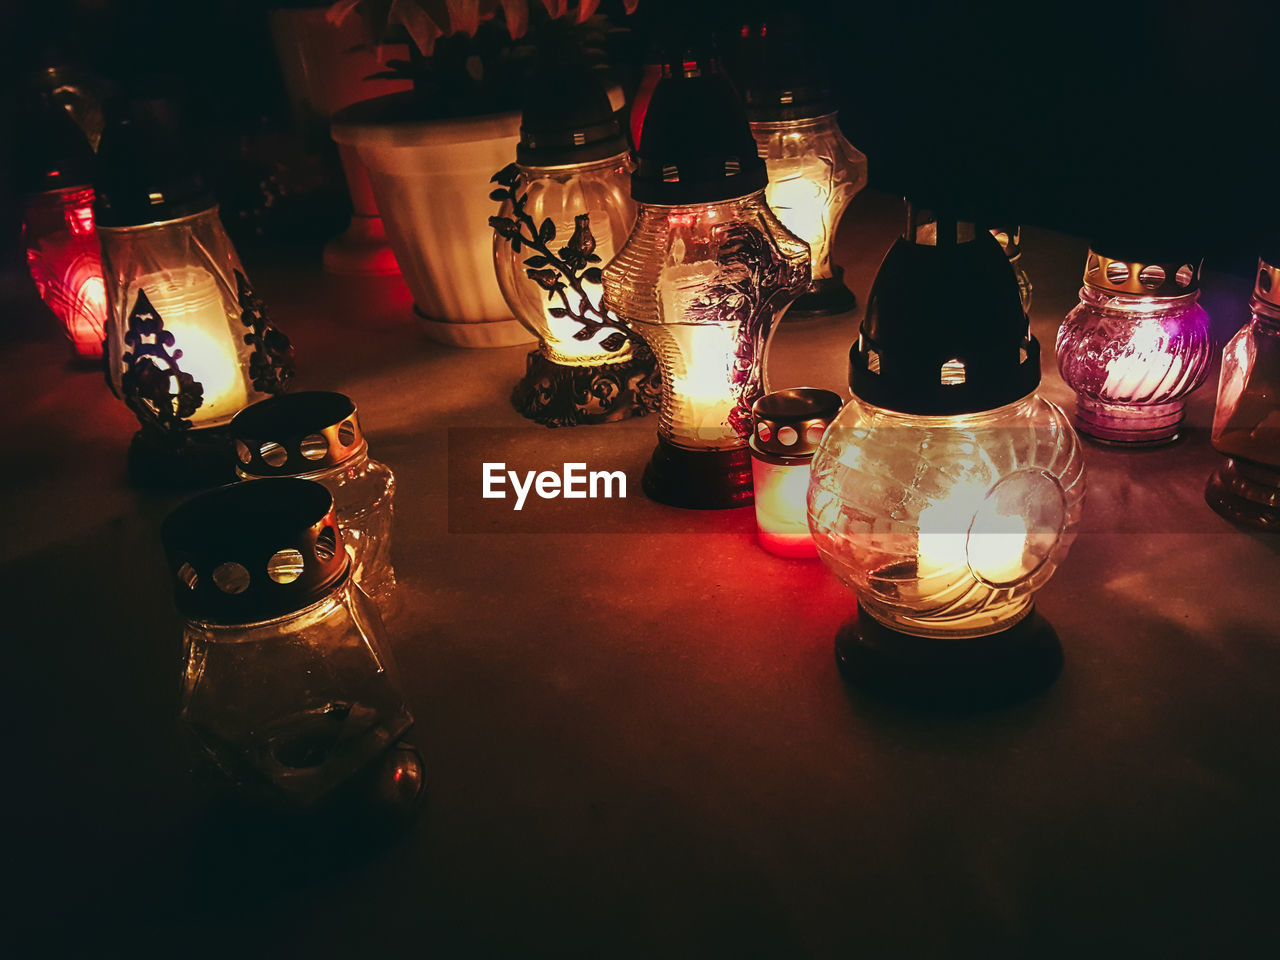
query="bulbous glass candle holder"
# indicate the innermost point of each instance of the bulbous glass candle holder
(287, 679)
(813, 174)
(945, 527)
(65, 263)
(316, 436)
(787, 427)
(1246, 420)
(947, 491)
(1134, 347)
(703, 285)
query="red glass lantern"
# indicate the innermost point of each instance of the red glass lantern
(58, 226)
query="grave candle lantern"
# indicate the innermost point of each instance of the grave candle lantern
(946, 492)
(58, 230)
(189, 344)
(316, 435)
(704, 276)
(1246, 421)
(788, 425)
(814, 172)
(1135, 346)
(566, 210)
(287, 683)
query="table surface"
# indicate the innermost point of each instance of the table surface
(637, 738)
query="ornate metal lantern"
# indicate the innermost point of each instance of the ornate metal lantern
(566, 210)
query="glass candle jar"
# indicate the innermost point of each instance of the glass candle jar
(53, 172)
(316, 436)
(287, 681)
(813, 174)
(787, 426)
(1134, 347)
(813, 170)
(64, 261)
(1246, 421)
(188, 344)
(566, 210)
(946, 492)
(704, 276)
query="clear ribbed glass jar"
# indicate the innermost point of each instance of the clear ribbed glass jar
(600, 189)
(189, 272)
(813, 174)
(287, 680)
(1246, 420)
(703, 284)
(316, 435)
(1132, 357)
(64, 260)
(946, 526)
(295, 705)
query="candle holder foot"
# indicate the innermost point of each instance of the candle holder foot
(953, 674)
(824, 298)
(556, 395)
(1246, 492)
(699, 479)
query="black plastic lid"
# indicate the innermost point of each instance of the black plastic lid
(148, 168)
(53, 152)
(567, 118)
(779, 77)
(695, 143)
(944, 332)
(254, 551)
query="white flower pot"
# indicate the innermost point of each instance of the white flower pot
(325, 69)
(431, 181)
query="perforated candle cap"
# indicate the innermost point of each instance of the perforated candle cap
(254, 551)
(789, 424)
(1140, 264)
(1266, 286)
(296, 433)
(577, 125)
(779, 75)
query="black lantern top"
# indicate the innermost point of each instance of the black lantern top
(148, 169)
(944, 332)
(778, 74)
(54, 153)
(695, 142)
(254, 551)
(576, 124)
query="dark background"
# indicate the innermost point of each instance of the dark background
(1074, 116)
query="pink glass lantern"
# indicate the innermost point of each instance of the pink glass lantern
(1135, 346)
(1246, 422)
